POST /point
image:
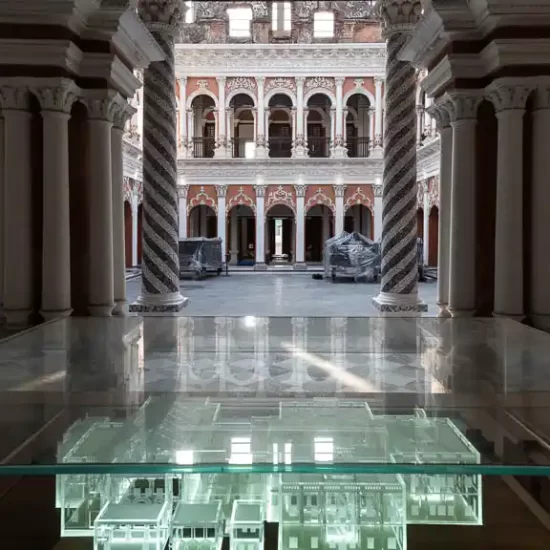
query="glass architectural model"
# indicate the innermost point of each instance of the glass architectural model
(324, 504)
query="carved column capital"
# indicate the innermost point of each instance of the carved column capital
(542, 98)
(162, 15)
(377, 190)
(14, 98)
(440, 113)
(260, 190)
(183, 191)
(399, 16)
(463, 105)
(123, 116)
(57, 98)
(339, 81)
(339, 189)
(506, 97)
(104, 106)
(300, 190)
(221, 190)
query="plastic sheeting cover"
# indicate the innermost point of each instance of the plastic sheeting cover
(351, 255)
(200, 255)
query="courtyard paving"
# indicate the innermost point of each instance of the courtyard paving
(281, 294)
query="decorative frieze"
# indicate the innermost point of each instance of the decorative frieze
(280, 83)
(240, 83)
(319, 82)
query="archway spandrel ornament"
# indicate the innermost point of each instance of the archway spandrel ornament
(280, 195)
(240, 199)
(358, 197)
(320, 198)
(202, 198)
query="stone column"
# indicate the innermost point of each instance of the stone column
(234, 230)
(338, 143)
(135, 228)
(119, 243)
(377, 190)
(221, 190)
(326, 225)
(462, 296)
(539, 307)
(183, 116)
(426, 221)
(18, 231)
(399, 292)
(378, 82)
(339, 191)
(260, 227)
(222, 142)
(101, 115)
(300, 148)
(261, 150)
(441, 115)
(299, 262)
(183, 190)
(160, 280)
(419, 124)
(509, 102)
(372, 118)
(56, 104)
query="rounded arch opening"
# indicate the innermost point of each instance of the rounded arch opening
(203, 222)
(358, 219)
(203, 107)
(280, 234)
(242, 235)
(359, 122)
(319, 228)
(319, 125)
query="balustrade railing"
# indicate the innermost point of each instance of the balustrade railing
(358, 147)
(203, 147)
(319, 147)
(280, 147)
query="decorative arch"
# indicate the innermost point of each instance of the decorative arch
(238, 91)
(360, 91)
(323, 91)
(282, 91)
(280, 196)
(358, 197)
(240, 199)
(319, 198)
(202, 198)
(197, 93)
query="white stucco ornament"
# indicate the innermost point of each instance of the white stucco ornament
(399, 15)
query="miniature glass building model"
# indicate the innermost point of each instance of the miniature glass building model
(329, 508)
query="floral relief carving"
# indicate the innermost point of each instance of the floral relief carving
(202, 198)
(320, 82)
(358, 197)
(320, 198)
(284, 83)
(280, 196)
(240, 83)
(128, 189)
(57, 98)
(240, 199)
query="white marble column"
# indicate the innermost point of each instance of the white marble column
(539, 307)
(372, 118)
(234, 236)
(441, 115)
(119, 242)
(426, 221)
(183, 117)
(299, 262)
(419, 124)
(339, 191)
(378, 207)
(509, 102)
(260, 227)
(135, 227)
(300, 147)
(18, 229)
(56, 242)
(338, 143)
(101, 113)
(2, 217)
(221, 190)
(261, 149)
(183, 190)
(462, 295)
(222, 150)
(326, 225)
(378, 83)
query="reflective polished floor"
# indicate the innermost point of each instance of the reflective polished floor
(406, 418)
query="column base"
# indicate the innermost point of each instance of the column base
(121, 308)
(399, 305)
(443, 310)
(50, 314)
(541, 322)
(300, 152)
(377, 153)
(17, 317)
(461, 312)
(262, 152)
(513, 316)
(159, 304)
(300, 266)
(101, 311)
(260, 266)
(339, 152)
(220, 153)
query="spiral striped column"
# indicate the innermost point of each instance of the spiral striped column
(399, 292)
(160, 264)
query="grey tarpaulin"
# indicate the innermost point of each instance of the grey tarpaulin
(200, 256)
(352, 255)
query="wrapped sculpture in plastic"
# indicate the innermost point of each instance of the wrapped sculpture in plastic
(200, 256)
(352, 255)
